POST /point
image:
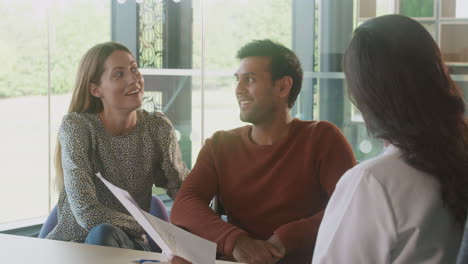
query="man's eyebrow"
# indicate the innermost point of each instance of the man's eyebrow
(243, 74)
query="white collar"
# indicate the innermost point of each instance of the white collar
(390, 149)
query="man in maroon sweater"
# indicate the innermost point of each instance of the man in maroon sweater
(274, 177)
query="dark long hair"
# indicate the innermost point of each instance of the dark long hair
(398, 80)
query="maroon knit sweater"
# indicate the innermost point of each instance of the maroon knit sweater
(279, 189)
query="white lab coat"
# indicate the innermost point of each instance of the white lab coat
(385, 211)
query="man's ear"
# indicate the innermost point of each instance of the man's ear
(285, 83)
(94, 90)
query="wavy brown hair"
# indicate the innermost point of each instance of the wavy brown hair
(399, 81)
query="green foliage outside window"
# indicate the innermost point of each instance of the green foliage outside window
(236, 22)
(417, 8)
(74, 26)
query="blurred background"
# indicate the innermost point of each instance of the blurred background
(186, 50)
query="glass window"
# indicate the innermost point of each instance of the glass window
(187, 52)
(372, 8)
(417, 8)
(242, 22)
(462, 82)
(454, 52)
(40, 57)
(431, 27)
(336, 107)
(367, 8)
(23, 107)
(455, 8)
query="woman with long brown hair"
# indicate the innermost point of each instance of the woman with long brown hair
(106, 132)
(407, 205)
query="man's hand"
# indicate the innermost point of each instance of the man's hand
(276, 242)
(254, 251)
(179, 260)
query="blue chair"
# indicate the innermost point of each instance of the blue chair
(157, 209)
(49, 223)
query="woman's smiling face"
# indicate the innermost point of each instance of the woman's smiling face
(121, 85)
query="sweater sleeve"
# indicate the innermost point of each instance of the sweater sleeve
(191, 208)
(335, 158)
(172, 169)
(347, 235)
(75, 141)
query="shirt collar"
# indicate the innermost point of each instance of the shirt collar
(390, 149)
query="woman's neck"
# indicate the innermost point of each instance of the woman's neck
(118, 124)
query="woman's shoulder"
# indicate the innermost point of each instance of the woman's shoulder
(154, 116)
(75, 118)
(78, 126)
(380, 169)
(79, 121)
(377, 167)
(391, 166)
(155, 120)
(395, 176)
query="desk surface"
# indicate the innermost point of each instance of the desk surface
(19, 250)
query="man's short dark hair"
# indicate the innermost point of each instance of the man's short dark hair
(283, 62)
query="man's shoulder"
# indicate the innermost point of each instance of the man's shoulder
(231, 133)
(223, 137)
(317, 127)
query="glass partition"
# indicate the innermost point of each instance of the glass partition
(187, 52)
(43, 43)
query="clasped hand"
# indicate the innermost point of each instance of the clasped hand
(252, 251)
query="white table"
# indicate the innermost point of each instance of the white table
(25, 250)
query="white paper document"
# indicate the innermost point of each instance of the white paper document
(170, 238)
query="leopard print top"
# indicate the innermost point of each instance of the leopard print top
(149, 154)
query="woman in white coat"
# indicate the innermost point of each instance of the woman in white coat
(407, 205)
